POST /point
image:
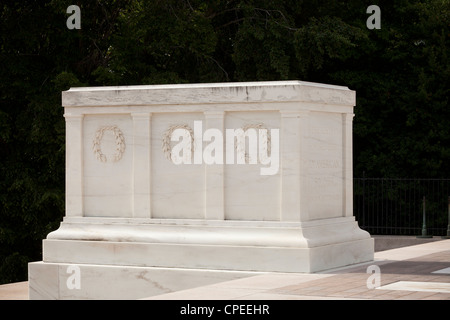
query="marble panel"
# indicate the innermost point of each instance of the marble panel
(107, 165)
(248, 194)
(177, 190)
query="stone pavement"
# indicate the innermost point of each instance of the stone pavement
(419, 272)
(14, 291)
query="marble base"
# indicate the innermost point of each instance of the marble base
(48, 281)
(207, 244)
(119, 259)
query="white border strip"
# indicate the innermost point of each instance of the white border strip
(418, 286)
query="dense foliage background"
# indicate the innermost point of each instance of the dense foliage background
(400, 73)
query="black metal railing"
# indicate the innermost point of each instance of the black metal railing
(385, 206)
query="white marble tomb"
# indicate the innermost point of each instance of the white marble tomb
(137, 224)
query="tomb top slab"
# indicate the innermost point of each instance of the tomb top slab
(224, 93)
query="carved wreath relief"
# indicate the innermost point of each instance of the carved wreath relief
(265, 140)
(119, 139)
(166, 145)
